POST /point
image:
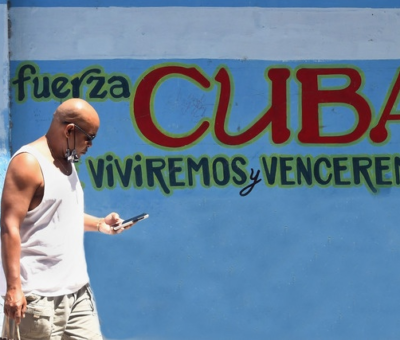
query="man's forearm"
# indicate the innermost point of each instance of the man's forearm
(92, 223)
(11, 254)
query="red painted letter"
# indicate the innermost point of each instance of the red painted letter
(312, 97)
(142, 103)
(276, 115)
(379, 133)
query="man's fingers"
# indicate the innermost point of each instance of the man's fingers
(23, 310)
(15, 312)
(18, 319)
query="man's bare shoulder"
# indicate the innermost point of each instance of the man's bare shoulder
(24, 169)
(23, 188)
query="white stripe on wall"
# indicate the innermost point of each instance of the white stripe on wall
(203, 32)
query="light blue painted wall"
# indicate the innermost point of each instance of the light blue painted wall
(286, 261)
(208, 3)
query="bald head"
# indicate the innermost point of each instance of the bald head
(71, 116)
(77, 111)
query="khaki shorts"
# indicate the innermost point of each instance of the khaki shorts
(72, 316)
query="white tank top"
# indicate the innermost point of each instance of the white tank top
(52, 247)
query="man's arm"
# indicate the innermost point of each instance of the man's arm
(23, 179)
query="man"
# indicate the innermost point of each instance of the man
(42, 227)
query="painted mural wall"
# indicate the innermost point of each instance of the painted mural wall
(262, 137)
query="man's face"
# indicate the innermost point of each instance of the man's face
(83, 136)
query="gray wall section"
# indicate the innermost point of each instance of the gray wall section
(4, 108)
(4, 92)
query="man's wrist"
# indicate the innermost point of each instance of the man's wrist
(99, 225)
(15, 285)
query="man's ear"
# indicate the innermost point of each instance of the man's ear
(69, 128)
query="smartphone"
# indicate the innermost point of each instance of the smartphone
(129, 221)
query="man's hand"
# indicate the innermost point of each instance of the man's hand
(15, 304)
(112, 220)
(105, 225)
